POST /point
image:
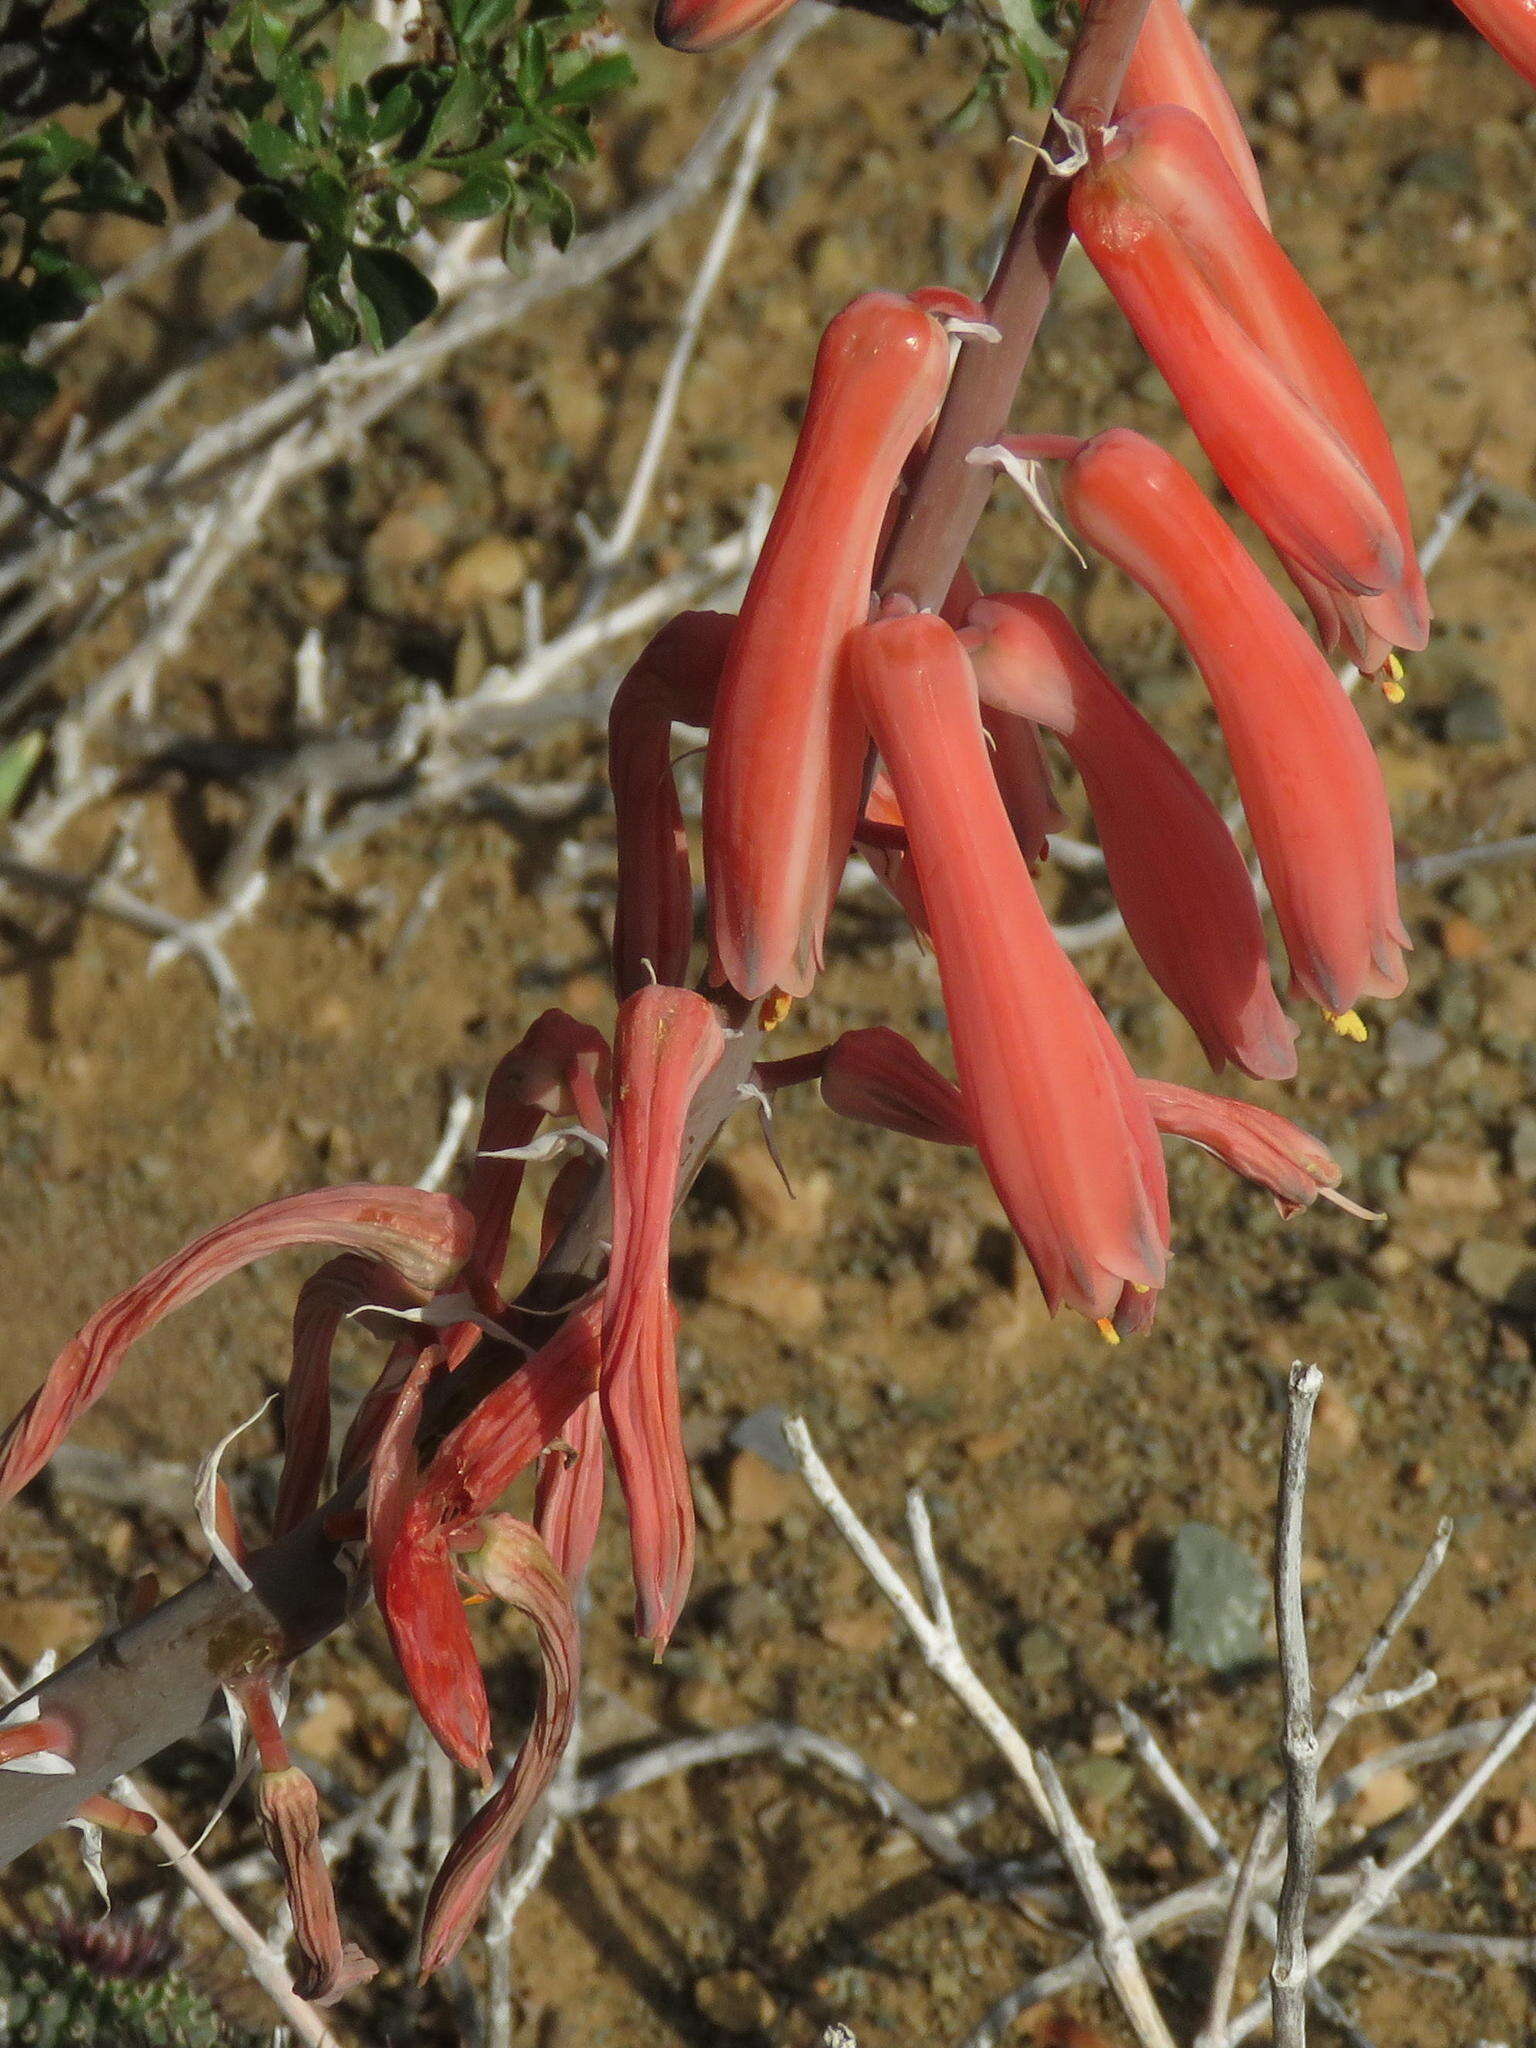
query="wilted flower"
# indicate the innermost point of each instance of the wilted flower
(424, 1238)
(673, 682)
(665, 1042)
(510, 1564)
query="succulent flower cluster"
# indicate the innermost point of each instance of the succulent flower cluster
(843, 717)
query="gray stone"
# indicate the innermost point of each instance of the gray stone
(1040, 1653)
(1217, 1599)
(1410, 1046)
(1522, 1145)
(1441, 170)
(1105, 1778)
(763, 1433)
(1504, 1274)
(1475, 717)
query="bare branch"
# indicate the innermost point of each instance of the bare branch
(1288, 1974)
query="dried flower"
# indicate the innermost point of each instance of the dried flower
(511, 1564)
(424, 1238)
(665, 1042)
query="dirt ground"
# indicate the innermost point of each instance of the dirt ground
(886, 1304)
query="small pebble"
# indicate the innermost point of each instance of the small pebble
(1411, 1046)
(1475, 717)
(1217, 1600)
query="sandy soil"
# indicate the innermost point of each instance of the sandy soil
(886, 1304)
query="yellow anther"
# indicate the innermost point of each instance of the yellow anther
(1348, 1024)
(1108, 1331)
(775, 1009)
(1391, 680)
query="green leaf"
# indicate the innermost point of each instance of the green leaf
(397, 110)
(392, 293)
(303, 95)
(483, 191)
(24, 388)
(483, 18)
(547, 203)
(361, 47)
(272, 213)
(459, 110)
(331, 320)
(275, 150)
(16, 764)
(602, 76)
(269, 38)
(62, 288)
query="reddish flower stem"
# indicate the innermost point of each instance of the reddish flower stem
(152, 1683)
(935, 527)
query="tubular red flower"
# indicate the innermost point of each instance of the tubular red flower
(425, 1238)
(1170, 68)
(665, 1042)
(325, 1300)
(1174, 867)
(510, 1564)
(1510, 27)
(1054, 1119)
(875, 1076)
(1181, 173)
(1019, 766)
(1262, 1147)
(785, 767)
(559, 1067)
(1285, 465)
(673, 682)
(568, 1501)
(698, 25)
(1310, 783)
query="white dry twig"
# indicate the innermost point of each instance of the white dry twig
(939, 1645)
(1289, 1972)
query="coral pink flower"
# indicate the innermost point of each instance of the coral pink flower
(1182, 175)
(1285, 465)
(1169, 68)
(875, 1076)
(568, 1502)
(1310, 784)
(1053, 1117)
(696, 25)
(424, 1238)
(1255, 1143)
(673, 682)
(1174, 867)
(510, 1563)
(785, 768)
(325, 1300)
(1019, 765)
(665, 1043)
(1510, 27)
(419, 1527)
